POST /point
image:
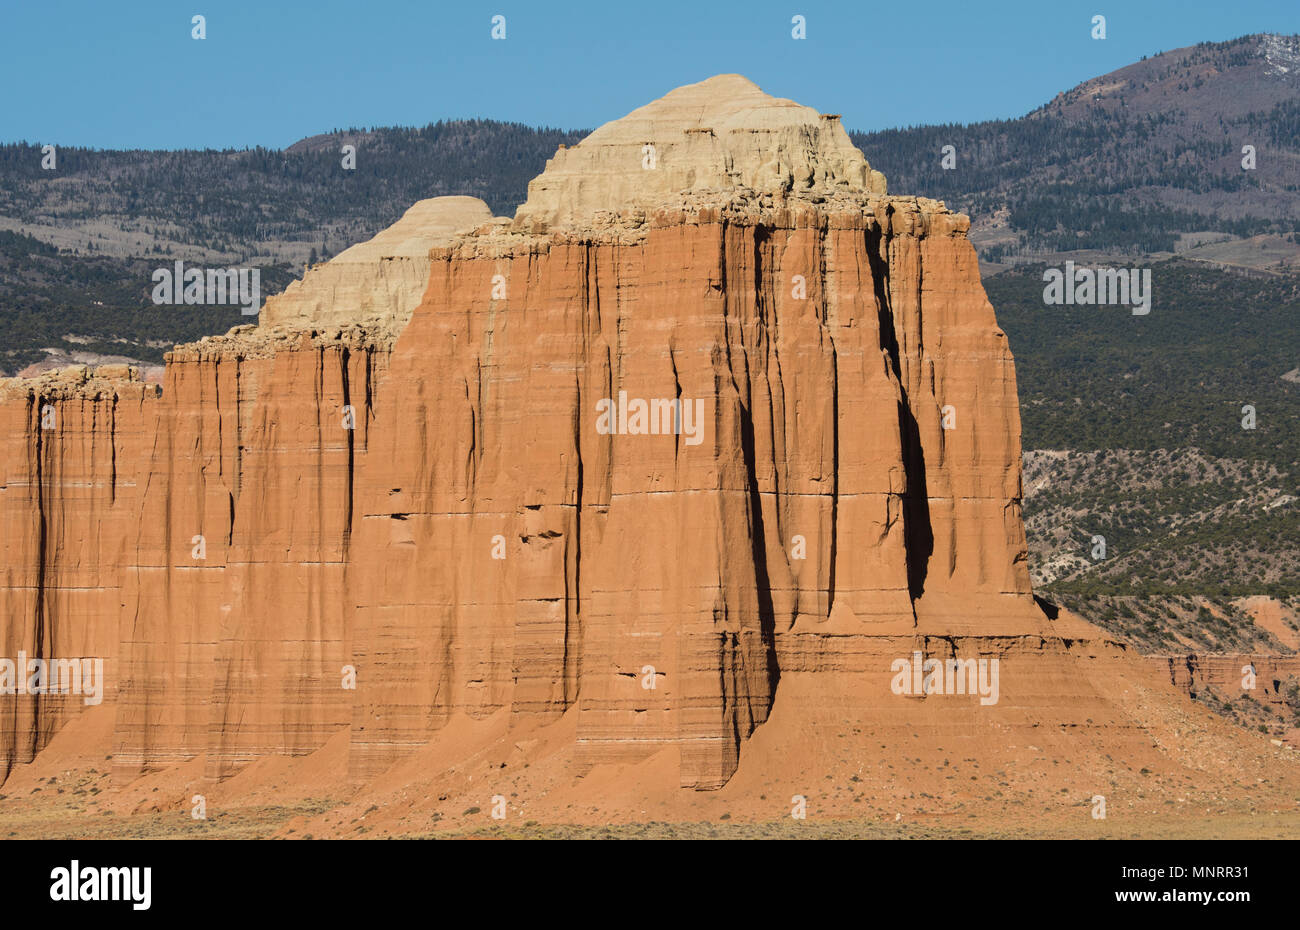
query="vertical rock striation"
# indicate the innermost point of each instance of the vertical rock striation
(70, 483)
(404, 471)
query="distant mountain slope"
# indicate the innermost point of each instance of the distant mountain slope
(96, 306)
(1146, 159)
(264, 204)
(1098, 377)
(78, 244)
(1134, 431)
(1129, 161)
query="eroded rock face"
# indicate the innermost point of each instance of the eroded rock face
(822, 494)
(720, 135)
(236, 651)
(71, 455)
(379, 281)
(465, 503)
(1232, 674)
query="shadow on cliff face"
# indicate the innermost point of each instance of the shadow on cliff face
(758, 543)
(917, 534)
(758, 535)
(918, 537)
(1047, 607)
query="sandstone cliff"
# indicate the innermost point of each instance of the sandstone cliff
(401, 476)
(71, 474)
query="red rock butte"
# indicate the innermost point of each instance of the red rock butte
(389, 513)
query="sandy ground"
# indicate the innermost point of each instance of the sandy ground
(1184, 774)
(1274, 616)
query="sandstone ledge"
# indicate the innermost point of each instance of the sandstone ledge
(259, 342)
(920, 217)
(79, 381)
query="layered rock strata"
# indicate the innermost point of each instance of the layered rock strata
(71, 476)
(1231, 676)
(714, 423)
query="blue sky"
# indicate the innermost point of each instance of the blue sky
(129, 75)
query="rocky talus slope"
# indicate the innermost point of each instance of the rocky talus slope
(678, 464)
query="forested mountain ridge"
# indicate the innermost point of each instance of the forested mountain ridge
(262, 204)
(1145, 159)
